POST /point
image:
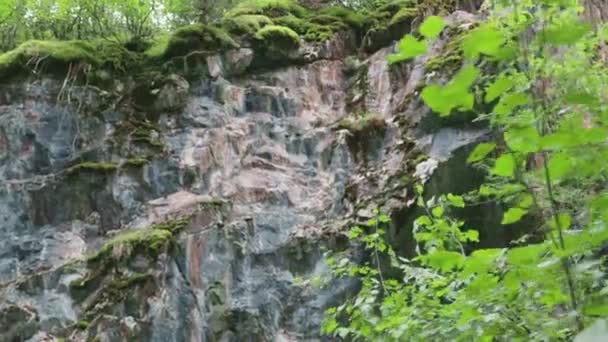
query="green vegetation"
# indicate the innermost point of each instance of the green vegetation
(58, 53)
(450, 58)
(403, 16)
(544, 100)
(150, 242)
(388, 23)
(136, 162)
(198, 37)
(278, 38)
(94, 167)
(82, 325)
(247, 24)
(270, 8)
(348, 16)
(367, 123)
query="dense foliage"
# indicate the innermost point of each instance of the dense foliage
(539, 69)
(21, 20)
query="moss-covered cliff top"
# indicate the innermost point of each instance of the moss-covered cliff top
(270, 27)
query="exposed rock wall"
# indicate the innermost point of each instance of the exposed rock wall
(203, 218)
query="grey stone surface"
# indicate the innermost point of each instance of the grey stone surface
(262, 142)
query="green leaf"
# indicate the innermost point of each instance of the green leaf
(525, 201)
(455, 201)
(523, 139)
(501, 85)
(509, 102)
(581, 98)
(560, 165)
(471, 235)
(485, 39)
(409, 47)
(513, 215)
(565, 33)
(431, 27)
(565, 220)
(437, 212)
(505, 166)
(453, 95)
(480, 152)
(424, 221)
(443, 260)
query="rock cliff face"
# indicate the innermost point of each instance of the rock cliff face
(201, 211)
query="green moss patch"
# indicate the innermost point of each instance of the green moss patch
(158, 46)
(82, 325)
(278, 37)
(369, 123)
(390, 22)
(450, 57)
(270, 8)
(403, 16)
(53, 51)
(197, 37)
(136, 162)
(349, 17)
(56, 56)
(305, 28)
(102, 168)
(247, 24)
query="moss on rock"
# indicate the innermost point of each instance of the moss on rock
(389, 23)
(403, 16)
(450, 57)
(82, 325)
(198, 37)
(280, 37)
(307, 29)
(56, 57)
(158, 46)
(366, 124)
(91, 167)
(150, 242)
(247, 24)
(136, 162)
(270, 8)
(349, 17)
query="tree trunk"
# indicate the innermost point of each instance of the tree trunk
(596, 11)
